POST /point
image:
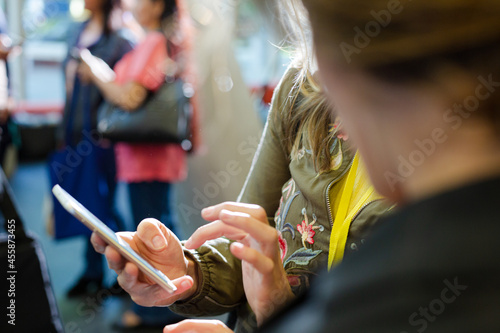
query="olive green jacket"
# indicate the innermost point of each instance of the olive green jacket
(297, 201)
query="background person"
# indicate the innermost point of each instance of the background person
(148, 169)
(96, 35)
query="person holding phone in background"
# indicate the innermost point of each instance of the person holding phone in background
(82, 101)
(150, 168)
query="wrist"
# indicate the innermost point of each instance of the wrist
(279, 297)
(193, 270)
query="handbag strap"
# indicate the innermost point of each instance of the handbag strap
(87, 117)
(8, 207)
(87, 112)
(71, 114)
(343, 216)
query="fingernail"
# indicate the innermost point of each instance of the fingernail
(170, 327)
(185, 285)
(187, 244)
(237, 245)
(208, 210)
(226, 215)
(99, 248)
(158, 242)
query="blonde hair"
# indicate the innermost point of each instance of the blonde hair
(307, 120)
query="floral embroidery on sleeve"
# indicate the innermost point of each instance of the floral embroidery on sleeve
(283, 246)
(307, 230)
(302, 256)
(294, 253)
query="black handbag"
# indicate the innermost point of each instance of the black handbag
(28, 301)
(163, 118)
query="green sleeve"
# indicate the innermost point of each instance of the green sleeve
(220, 283)
(270, 167)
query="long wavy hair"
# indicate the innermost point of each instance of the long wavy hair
(308, 119)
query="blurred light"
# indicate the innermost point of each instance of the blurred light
(34, 16)
(223, 79)
(77, 9)
(188, 90)
(34, 6)
(186, 145)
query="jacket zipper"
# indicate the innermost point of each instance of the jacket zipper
(363, 207)
(330, 219)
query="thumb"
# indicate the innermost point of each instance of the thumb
(153, 234)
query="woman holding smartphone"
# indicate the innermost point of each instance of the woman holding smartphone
(304, 168)
(422, 102)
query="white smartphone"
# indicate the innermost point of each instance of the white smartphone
(93, 223)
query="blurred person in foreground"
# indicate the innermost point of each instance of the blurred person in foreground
(82, 101)
(148, 169)
(291, 198)
(421, 100)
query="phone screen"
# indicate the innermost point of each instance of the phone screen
(93, 223)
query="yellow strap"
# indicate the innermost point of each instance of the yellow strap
(342, 211)
(344, 230)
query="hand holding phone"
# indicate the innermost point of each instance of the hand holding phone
(145, 290)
